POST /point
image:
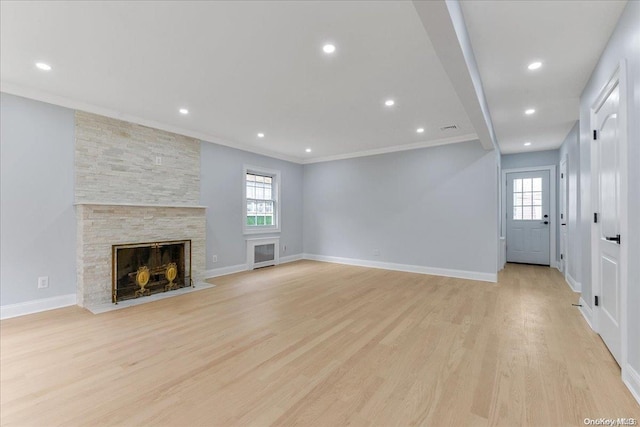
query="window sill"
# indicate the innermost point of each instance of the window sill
(262, 231)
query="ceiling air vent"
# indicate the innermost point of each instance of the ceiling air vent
(450, 127)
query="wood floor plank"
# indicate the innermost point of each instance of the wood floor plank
(318, 344)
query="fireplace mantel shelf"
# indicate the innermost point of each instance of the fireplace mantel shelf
(140, 205)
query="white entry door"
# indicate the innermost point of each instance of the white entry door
(607, 228)
(528, 219)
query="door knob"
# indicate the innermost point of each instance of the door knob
(546, 216)
(545, 222)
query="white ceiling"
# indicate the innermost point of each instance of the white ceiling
(248, 67)
(241, 68)
(566, 36)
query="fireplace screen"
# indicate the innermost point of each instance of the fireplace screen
(143, 269)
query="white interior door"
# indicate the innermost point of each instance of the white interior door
(528, 219)
(563, 215)
(607, 229)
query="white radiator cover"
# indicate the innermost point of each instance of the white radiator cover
(263, 252)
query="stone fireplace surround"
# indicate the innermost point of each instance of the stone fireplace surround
(102, 225)
(133, 184)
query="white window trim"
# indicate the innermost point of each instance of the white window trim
(277, 217)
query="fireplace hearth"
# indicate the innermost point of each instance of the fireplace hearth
(142, 269)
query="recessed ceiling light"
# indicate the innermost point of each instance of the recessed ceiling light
(183, 111)
(420, 130)
(329, 48)
(526, 144)
(308, 150)
(530, 111)
(389, 102)
(535, 65)
(261, 135)
(43, 66)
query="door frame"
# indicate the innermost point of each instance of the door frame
(563, 200)
(618, 77)
(553, 215)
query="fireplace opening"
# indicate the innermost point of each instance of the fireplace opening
(143, 269)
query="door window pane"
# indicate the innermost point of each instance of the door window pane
(537, 212)
(517, 212)
(537, 198)
(537, 184)
(517, 199)
(517, 185)
(527, 199)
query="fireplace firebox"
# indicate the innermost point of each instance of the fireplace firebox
(142, 269)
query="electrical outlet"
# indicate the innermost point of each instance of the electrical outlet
(284, 248)
(43, 282)
(214, 258)
(158, 160)
(376, 252)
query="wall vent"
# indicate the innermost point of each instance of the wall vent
(450, 127)
(262, 252)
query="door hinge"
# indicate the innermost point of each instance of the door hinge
(596, 300)
(561, 216)
(561, 256)
(595, 134)
(595, 217)
(561, 175)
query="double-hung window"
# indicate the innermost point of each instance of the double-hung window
(261, 190)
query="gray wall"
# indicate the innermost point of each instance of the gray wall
(623, 44)
(38, 222)
(221, 190)
(529, 160)
(37, 219)
(570, 150)
(534, 159)
(433, 207)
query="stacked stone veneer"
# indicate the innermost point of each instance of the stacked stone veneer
(122, 196)
(116, 162)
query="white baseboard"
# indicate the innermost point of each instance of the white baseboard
(223, 271)
(36, 306)
(631, 379)
(575, 286)
(503, 252)
(587, 312)
(461, 274)
(290, 258)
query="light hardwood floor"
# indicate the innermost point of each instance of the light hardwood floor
(312, 343)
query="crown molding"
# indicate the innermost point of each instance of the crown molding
(396, 148)
(74, 104)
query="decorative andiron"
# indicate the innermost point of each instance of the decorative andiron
(142, 278)
(170, 274)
